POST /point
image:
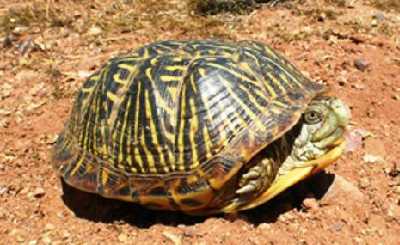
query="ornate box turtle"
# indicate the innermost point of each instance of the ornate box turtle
(199, 126)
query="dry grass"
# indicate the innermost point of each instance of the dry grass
(212, 7)
(38, 13)
(388, 5)
(155, 16)
(120, 16)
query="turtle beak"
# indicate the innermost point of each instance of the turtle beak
(342, 111)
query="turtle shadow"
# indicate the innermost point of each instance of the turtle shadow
(99, 209)
(96, 208)
(316, 186)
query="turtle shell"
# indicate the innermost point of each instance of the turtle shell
(171, 124)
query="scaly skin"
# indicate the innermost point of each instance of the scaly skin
(323, 126)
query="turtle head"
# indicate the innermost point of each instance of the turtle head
(316, 142)
(323, 126)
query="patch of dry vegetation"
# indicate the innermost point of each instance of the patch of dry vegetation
(120, 16)
(154, 16)
(212, 7)
(387, 4)
(38, 13)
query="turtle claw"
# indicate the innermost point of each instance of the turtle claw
(246, 189)
(255, 179)
(251, 175)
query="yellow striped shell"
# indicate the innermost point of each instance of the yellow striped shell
(172, 124)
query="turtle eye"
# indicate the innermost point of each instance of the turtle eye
(312, 117)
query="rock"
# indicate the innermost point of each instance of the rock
(374, 150)
(379, 16)
(364, 183)
(264, 226)
(123, 237)
(374, 23)
(84, 74)
(337, 226)
(19, 30)
(46, 239)
(39, 89)
(310, 203)
(20, 239)
(4, 190)
(286, 217)
(359, 86)
(353, 141)
(393, 212)
(65, 234)
(49, 227)
(4, 112)
(361, 64)
(396, 96)
(95, 30)
(369, 158)
(17, 234)
(175, 238)
(37, 193)
(5, 90)
(358, 240)
(342, 189)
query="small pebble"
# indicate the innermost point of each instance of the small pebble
(396, 97)
(65, 234)
(337, 226)
(379, 16)
(393, 212)
(361, 64)
(359, 86)
(3, 190)
(175, 238)
(95, 30)
(49, 227)
(364, 183)
(264, 226)
(123, 237)
(18, 30)
(20, 239)
(369, 158)
(46, 239)
(37, 193)
(310, 203)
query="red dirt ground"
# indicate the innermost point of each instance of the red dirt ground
(49, 47)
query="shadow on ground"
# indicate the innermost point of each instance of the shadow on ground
(98, 209)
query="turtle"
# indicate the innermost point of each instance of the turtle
(199, 126)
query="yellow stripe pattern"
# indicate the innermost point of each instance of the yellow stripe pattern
(171, 106)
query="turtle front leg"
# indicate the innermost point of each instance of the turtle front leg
(258, 178)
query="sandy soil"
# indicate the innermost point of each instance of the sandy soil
(49, 47)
